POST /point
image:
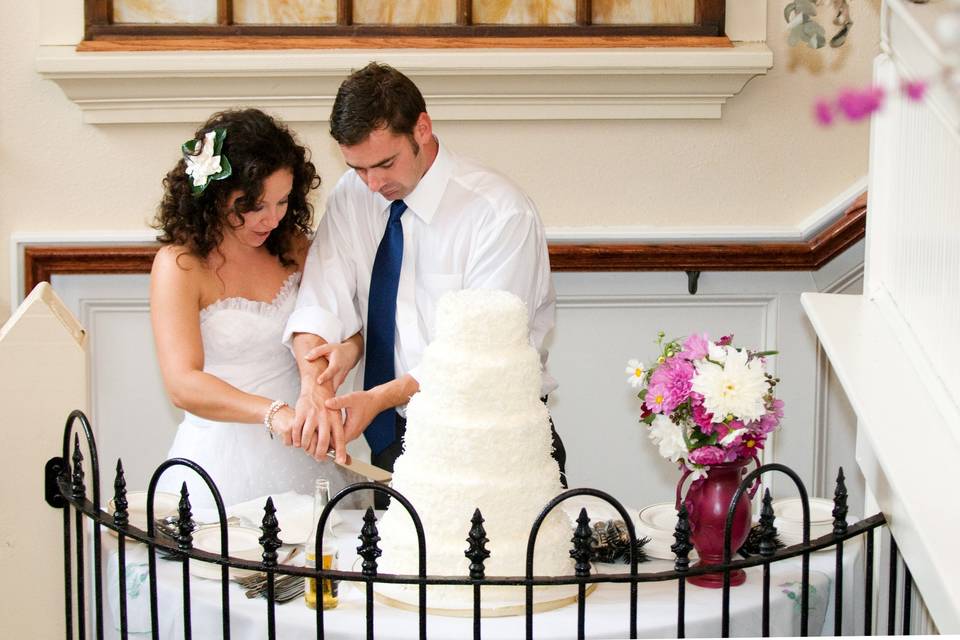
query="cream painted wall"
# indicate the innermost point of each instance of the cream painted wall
(763, 164)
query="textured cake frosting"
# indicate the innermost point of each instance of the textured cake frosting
(478, 436)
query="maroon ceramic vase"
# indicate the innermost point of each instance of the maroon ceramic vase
(708, 501)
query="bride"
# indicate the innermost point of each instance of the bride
(235, 225)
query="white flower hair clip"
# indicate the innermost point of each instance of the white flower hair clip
(204, 160)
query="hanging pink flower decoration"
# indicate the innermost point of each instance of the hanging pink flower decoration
(915, 90)
(823, 112)
(857, 105)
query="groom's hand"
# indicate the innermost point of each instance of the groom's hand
(316, 427)
(341, 358)
(320, 428)
(361, 408)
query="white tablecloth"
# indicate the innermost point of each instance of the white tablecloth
(607, 608)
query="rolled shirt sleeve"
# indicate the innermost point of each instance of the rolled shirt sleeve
(326, 304)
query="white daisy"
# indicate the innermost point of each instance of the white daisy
(669, 439)
(717, 353)
(697, 471)
(733, 435)
(737, 388)
(636, 370)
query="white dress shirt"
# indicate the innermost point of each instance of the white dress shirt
(466, 227)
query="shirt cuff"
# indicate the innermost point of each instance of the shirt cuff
(315, 320)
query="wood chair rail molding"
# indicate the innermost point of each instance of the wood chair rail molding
(43, 261)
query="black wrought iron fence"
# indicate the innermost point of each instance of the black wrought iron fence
(66, 489)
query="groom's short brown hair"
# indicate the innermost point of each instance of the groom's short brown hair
(371, 98)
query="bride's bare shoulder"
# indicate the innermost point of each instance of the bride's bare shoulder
(177, 264)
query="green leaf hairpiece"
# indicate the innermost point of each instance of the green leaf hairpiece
(204, 160)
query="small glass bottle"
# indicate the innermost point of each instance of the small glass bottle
(321, 496)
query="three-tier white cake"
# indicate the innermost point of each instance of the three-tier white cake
(478, 436)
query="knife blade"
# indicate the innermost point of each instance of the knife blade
(362, 468)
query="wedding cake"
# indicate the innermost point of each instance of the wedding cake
(478, 436)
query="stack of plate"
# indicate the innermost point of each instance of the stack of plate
(164, 505)
(658, 522)
(244, 543)
(789, 519)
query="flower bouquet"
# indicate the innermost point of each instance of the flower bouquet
(710, 407)
(707, 402)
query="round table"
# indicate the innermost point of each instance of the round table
(607, 608)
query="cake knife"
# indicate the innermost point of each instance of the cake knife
(362, 468)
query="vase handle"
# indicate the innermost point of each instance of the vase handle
(686, 473)
(752, 491)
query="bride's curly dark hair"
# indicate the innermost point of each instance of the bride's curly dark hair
(256, 145)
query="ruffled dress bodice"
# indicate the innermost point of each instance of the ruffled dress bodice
(242, 346)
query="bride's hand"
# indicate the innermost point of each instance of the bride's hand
(316, 428)
(341, 358)
(283, 421)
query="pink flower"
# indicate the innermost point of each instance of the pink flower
(703, 418)
(771, 419)
(656, 397)
(857, 105)
(725, 341)
(672, 380)
(695, 346)
(707, 455)
(915, 90)
(749, 444)
(823, 112)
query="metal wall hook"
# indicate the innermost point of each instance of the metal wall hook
(692, 278)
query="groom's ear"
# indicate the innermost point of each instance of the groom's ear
(423, 129)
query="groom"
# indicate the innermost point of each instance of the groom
(409, 221)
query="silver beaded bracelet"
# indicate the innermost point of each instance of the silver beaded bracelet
(275, 406)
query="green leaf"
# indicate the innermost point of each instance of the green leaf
(218, 135)
(226, 169)
(190, 147)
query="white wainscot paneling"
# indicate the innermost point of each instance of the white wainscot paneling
(130, 414)
(605, 319)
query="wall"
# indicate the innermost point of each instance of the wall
(765, 164)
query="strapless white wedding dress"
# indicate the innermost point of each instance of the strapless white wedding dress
(241, 345)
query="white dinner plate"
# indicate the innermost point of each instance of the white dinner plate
(658, 522)
(243, 542)
(164, 504)
(791, 510)
(660, 517)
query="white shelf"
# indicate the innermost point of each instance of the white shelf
(459, 84)
(907, 447)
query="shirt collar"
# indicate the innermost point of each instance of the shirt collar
(424, 200)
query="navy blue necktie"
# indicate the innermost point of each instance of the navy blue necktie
(382, 324)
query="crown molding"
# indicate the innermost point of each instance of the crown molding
(459, 84)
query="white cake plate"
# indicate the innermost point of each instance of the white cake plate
(544, 599)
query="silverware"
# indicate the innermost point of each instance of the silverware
(285, 587)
